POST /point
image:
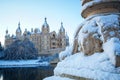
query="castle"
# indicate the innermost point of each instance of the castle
(45, 41)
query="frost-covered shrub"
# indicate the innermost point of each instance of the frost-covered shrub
(20, 50)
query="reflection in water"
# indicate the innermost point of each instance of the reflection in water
(1, 77)
(36, 73)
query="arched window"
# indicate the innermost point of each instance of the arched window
(53, 35)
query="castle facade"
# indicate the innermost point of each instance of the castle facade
(45, 41)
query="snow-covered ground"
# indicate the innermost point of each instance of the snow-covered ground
(22, 63)
(57, 78)
(97, 66)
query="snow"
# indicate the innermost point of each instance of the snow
(65, 53)
(96, 66)
(99, 66)
(56, 78)
(1, 77)
(108, 21)
(96, 24)
(112, 48)
(22, 63)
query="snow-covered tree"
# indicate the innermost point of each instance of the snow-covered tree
(1, 48)
(20, 49)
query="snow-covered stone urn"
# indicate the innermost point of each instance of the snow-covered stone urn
(100, 29)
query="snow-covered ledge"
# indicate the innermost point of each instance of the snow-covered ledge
(22, 63)
(97, 66)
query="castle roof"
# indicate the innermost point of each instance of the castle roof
(62, 28)
(7, 31)
(18, 29)
(36, 30)
(45, 25)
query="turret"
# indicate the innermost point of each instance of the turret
(92, 7)
(25, 32)
(7, 35)
(62, 30)
(18, 31)
(61, 36)
(7, 31)
(45, 27)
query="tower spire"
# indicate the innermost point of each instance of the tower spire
(45, 26)
(45, 19)
(62, 28)
(61, 24)
(19, 24)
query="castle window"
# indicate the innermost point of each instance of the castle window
(53, 43)
(53, 35)
(53, 47)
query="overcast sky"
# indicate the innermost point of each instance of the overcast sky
(31, 14)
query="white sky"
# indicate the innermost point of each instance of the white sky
(31, 14)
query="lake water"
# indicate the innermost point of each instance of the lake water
(26, 73)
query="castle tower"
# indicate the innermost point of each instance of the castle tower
(100, 29)
(18, 31)
(6, 36)
(45, 27)
(45, 36)
(62, 30)
(61, 36)
(92, 7)
(8, 39)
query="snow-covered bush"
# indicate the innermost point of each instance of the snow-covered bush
(20, 50)
(67, 52)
